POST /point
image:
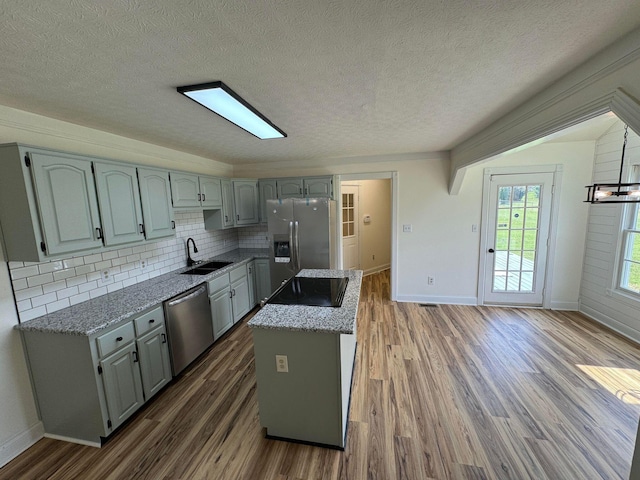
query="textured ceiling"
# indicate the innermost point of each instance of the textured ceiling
(342, 78)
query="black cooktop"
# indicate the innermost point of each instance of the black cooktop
(317, 292)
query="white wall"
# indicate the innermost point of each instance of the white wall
(374, 237)
(599, 297)
(19, 423)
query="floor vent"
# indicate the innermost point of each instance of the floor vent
(429, 305)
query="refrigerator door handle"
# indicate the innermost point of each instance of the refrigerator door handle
(297, 248)
(292, 249)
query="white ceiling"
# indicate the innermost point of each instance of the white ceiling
(342, 78)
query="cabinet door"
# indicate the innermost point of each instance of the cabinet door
(318, 187)
(154, 361)
(122, 384)
(157, 210)
(221, 312)
(227, 203)
(245, 204)
(267, 191)
(290, 188)
(251, 280)
(263, 279)
(119, 201)
(185, 190)
(211, 192)
(240, 298)
(67, 202)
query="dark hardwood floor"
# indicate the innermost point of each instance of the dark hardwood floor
(452, 392)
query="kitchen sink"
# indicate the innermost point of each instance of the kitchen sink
(206, 268)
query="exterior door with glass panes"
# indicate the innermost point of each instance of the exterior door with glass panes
(517, 238)
(350, 242)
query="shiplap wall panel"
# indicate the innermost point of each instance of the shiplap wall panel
(598, 296)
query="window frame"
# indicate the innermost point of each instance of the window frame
(630, 223)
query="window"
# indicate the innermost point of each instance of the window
(630, 258)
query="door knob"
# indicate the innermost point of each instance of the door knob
(491, 250)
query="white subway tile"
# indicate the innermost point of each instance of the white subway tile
(114, 287)
(28, 293)
(123, 252)
(83, 269)
(54, 287)
(110, 255)
(120, 277)
(133, 258)
(24, 305)
(20, 284)
(50, 266)
(103, 265)
(67, 292)
(13, 265)
(73, 262)
(97, 257)
(119, 261)
(59, 305)
(98, 292)
(44, 299)
(139, 249)
(64, 274)
(85, 287)
(79, 280)
(40, 279)
(83, 297)
(128, 282)
(33, 313)
(24, 272)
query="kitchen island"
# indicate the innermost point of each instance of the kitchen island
(310, 401)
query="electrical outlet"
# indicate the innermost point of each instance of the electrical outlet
(105, 276)
(430, 280)
(143, 265)
(282, 364)
(407, 228)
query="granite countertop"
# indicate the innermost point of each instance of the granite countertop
(92, 316)
(340, 320)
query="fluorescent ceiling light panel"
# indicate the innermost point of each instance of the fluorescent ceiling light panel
(220, 99)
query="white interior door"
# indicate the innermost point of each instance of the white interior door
(517, 238)
(350, 231)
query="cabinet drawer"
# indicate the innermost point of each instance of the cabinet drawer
(218, 283)
(149, 320)
(237, 273)
(110, 342)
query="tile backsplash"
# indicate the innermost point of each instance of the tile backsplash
(46, 287)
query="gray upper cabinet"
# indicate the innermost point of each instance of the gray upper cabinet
(188, 190)
(227, 203)
(246, 202)
(211, 192)
(268, 190)
(185, 190)
(290, 188)
(119, 200)
(155, 195)
(66, 199)
(318, 187)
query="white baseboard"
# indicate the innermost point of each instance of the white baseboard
(624, 330)
(20, 442)
(378, 269)
(573, 306)
(436, 299)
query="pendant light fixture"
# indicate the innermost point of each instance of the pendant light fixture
(601, 193)
(223, 101)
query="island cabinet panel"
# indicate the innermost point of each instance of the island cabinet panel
(309, 402)
(251, 280)
(119, 200)
(157, 211)
(263, 279)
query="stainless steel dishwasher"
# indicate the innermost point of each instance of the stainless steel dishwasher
(189, 326)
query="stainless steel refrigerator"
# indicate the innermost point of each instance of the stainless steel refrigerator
(301, 235)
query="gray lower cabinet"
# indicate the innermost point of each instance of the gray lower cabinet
(155, 196)
(240, 297)
(119, 201)
(263, 279)
(221, 307)
(86, 386)
(122, 384)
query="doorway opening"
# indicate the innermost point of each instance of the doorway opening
(366, 217)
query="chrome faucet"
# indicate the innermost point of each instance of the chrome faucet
(191, 261)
